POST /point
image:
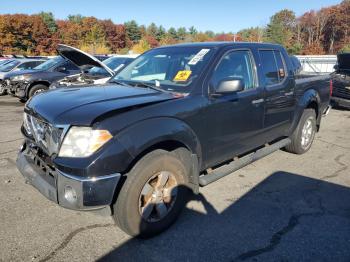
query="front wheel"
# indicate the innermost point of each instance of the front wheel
(304, 134)
(153, 195)
(36, 90)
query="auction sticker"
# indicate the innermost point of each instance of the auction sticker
(198, 57)
(182, 76)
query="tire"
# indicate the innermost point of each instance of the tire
(36, 89)
(307, 125)
(131, 211)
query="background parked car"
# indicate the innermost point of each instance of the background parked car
(341, 81)
(26, 83)
(14, 65)
(93, 71)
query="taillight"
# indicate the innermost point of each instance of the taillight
(331, 87)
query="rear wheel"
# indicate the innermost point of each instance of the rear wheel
(304, 134)
(153, 194)
(36, 89)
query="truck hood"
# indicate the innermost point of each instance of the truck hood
(344, 61)
(82, 106)
(81, 59)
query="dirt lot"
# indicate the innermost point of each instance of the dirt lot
(281, 208)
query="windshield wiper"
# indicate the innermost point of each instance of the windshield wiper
(143, 84)
(118, 82)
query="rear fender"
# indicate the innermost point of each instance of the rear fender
(309, 99)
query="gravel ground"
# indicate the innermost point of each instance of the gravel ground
(281, 208)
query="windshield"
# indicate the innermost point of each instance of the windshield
(49, 63)
(114, 63)
(9, 66)
(170, 68)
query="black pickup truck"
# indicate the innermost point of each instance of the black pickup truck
(175, 119)
(341, 81)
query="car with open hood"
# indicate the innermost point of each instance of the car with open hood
(93, 71)
(341, 81)
(24, 84)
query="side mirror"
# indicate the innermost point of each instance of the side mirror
(336, 67)
(230, 85)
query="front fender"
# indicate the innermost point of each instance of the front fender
(141, 136)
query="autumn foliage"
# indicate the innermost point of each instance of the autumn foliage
(326, 31)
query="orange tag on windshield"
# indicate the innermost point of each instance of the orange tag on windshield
(182, 76)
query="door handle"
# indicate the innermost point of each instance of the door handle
(258, 101)
(289, 93)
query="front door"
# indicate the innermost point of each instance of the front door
(233, 120)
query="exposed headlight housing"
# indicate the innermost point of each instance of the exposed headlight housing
(20, 77)
(83, 141)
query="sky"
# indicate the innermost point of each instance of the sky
(216, 15)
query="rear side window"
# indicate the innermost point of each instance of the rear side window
(272, 66)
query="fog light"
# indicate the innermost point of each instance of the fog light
(70, 195)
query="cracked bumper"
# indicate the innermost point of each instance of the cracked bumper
(72, 192)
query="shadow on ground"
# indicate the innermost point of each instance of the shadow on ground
(287, 217)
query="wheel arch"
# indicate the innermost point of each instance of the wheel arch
(310, 99)
(162, 133)
(39, 82)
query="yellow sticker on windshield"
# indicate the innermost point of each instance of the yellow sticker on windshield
(182, 76)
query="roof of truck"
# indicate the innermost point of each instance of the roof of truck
(221, 44)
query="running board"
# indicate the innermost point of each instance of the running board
(225, 170)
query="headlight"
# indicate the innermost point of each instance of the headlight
(20, 77)
(26, 124)
(83, 141)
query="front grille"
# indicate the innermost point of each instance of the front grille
(46, 136)
(341, 90)
(341, 86)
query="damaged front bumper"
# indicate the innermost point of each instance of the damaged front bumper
(72, 192)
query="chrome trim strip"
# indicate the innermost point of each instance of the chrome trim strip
(89, 179)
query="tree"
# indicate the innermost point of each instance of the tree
(161, 33)
(192, 31)
(115, 35)
(49, 20)
(281, 27)
(132, 31)
(253, 34)
(173, 33)
(181, 33)
(152, 30)
(141, 47)
(75, 18)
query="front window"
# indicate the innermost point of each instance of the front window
(169, 68)
(49, 63)
(9, 66)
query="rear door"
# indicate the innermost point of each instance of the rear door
(232, 121)
(279, 94)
